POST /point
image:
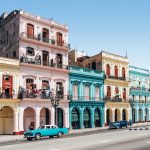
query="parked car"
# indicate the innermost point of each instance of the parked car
(45, 130)
(114, 125)
(123, 123)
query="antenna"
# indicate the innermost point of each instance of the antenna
(126, 54)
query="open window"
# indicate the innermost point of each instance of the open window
(45, 35)
(30, 31)
(30, 51)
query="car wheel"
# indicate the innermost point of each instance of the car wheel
(38, 136)
(50, 136)
(59, 134)
(29, 139)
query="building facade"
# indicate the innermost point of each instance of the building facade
(86, 87)
(41, 47)
(139, 94)
(9, 104)
(116, 85)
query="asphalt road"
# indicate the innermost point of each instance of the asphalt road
(116, 140)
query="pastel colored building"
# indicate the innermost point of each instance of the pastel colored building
(116, 85)
(9, 104)
(86, 87)
(140, 94)
(41, 47)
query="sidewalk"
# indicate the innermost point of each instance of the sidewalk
(14, 138)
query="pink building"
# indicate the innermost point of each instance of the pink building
(41, 46)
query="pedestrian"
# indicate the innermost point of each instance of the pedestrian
(130, 123)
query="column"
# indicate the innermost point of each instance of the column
(81, 119)
(21, 118)
(81, 89)
(37, 118)
(66, 117)
(91, 92)
(121, 114)
(102, 92)
(52, 116)
(92, 118)
(136, 115)
(16, 121)
(143, 114)
(113, 115)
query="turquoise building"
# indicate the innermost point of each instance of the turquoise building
(139, 94)
(86, 108)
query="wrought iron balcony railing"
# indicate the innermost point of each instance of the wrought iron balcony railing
(39, 62)
(45, 40)
(85, 98)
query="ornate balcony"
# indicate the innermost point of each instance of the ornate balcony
(39, 38)
(39, 62)
(114, 99)
(117, 78)
(85, 98)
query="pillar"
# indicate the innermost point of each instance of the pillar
(120, 118)
(92, 119)
(70, 118)
(37, 118)
(16, 121)
(21, 120)
(81, 120)
(92, 92)
(102, 117)
(52, 116)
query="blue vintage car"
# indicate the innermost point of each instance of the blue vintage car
(118, 124)
(45, 130)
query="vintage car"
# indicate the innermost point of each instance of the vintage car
(118, 124)
(45, 130)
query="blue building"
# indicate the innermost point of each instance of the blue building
(139, 94)
(86, 108)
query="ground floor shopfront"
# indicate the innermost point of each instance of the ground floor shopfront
(16, 116)
(87, 114)
(140, 112)
(116, 111)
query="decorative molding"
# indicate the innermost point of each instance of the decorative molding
(59, 80)
(45, 78)
(29, 76)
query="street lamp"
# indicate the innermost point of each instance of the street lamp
(55, 103)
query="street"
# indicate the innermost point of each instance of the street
(121, 139)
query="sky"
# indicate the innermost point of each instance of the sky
(115, 26)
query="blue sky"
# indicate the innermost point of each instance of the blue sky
(116, 26)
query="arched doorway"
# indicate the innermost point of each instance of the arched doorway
(140, 115)
(97, 118)
(45, 116)
(87, 118)
(117, 115)
(60, 117)
(108, 116)
(6, 120)
(75, 119)
(124, 115)
(29, 118)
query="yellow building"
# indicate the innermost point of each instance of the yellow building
(9, 82)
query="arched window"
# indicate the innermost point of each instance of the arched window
(107, 69)
(123, 72)
(59, 39)
(116, 71)
(108, 91)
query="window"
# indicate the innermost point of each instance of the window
(46, 35)
(116, 71)
(97, 97)
(123, 72)
(30, 51)
(59, 89)
(30, 31)
(94, 65)
(124, 93)
(45, 85)
(116, 91)
(107, 69)
(59, 39)
(108, 91)
(59, 60)
(87, 92)
(30, 83)
(75, 92)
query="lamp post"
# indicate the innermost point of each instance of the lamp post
(55, 103)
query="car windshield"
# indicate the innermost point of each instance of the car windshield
(42, 127)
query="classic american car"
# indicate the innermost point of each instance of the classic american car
(45, 130)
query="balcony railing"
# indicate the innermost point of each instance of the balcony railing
(8, 96)
(118, 78)
(139, 88)
(114, 99)
(45, 40)
(39, 62)
(85, 98)
(139, 101)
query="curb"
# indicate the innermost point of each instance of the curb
(141, 128)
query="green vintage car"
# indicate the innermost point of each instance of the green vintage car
(45, 130)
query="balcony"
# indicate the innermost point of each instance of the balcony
(39, 38)
(142, 91)
(114, 99)
(85, 98)
(38, 94)
(139, 101)
(38, 62)
(117, 78)
(139, 88)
